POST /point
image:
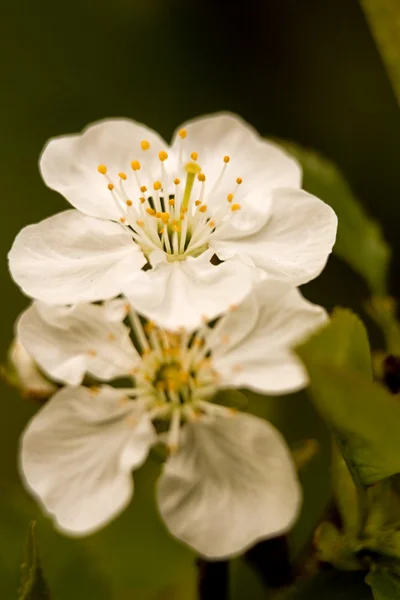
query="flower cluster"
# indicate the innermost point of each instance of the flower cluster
(174, 277)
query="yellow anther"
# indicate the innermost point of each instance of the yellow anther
(142, 199)
(129, 202)
(235, 207)
(203, 208)
(122, 175)
(145, 145)
(176, 227)
(111, 337)
(194, 156)
(171, 202)
(150, 326)
(158, 215)
(183, 376)
(94, 390)
(197, 203)
(135, 164)
(211, 224)
(150, 211)
(239, 180)
(182, 133)
(177, 181)
(110, 186)
(184, 209)
(201, 177)
(92, 353)
(102, 169)
(165, 217)
(182, 216)
(161, 231)
(229, 197)
(122, 220)
(140, 223)
(143, 189)
(162, 155)
(227, 159)
(233, 307)
(157, 185)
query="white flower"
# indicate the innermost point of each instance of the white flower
(219, 192)
(229, 479)
(29, 379)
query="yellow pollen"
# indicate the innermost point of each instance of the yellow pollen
(162, 155)
(129, 202)
(150, 211)
(227, 159)
(239, 180)
(182, 133)
(92, 352)
(161, 231)
(140, 223)
(111, 336)
(177, 181)
(94, 390)
(176, 227)
(235, 207)
(184, 209)
(122, 220)
(211, 224)
(194, 156)
(102, 169)
(143, 189)
(135, 164)
(171, 202)
(122, 175)
(229, 197)
(197, 203)
(157, 185)
(158, 215)
(145, 145)
(142, 199)
(165, 217)
(201, 177)
(110, 186)
(182, 216)
(203, 208)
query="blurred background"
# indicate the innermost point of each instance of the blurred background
(305, 71)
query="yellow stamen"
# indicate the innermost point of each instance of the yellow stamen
(110, 186)
(182, 133)
(150, 211)
(171, 202)
(145, 145)
(140, 223)
(177, 181)
(129, 202)
(142, 199)
(201, 177)
(211, 224)
(162, 155)
(92, 353)
(165, 217)
(239, 180)
(143, 189)
(102, 169)
(135, 164)
(122, 175)
(197, 203)
(157, 185)
(235, 207)
(203, 208)
(158, 215)
(229, 197)
(192, 170)
(227, 159)
(194, 156)
(122, 220)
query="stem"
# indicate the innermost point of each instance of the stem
(213, 579)
(270, 559)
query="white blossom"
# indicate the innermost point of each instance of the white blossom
(229, 479)
(216, 211)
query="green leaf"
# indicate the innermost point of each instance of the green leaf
(384, 20)
(359, 239)
(385, 586)
(383, 311)
(330, 585)
(364, 417)
(33, 585)
(332, 547)
(345, 494)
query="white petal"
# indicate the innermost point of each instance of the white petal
(69, 342)
(72, 258)
(30, 378)
(183, 293)
(69, 163)
(77, 454)
(263, 360)
(231, 484)
(295, 242)
(226, 134)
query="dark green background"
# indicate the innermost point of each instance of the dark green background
(305, 70)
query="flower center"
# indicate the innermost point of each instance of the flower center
(177, 218)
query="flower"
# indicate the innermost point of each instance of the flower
(213, 212)
(229, 479)
(23, 372)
